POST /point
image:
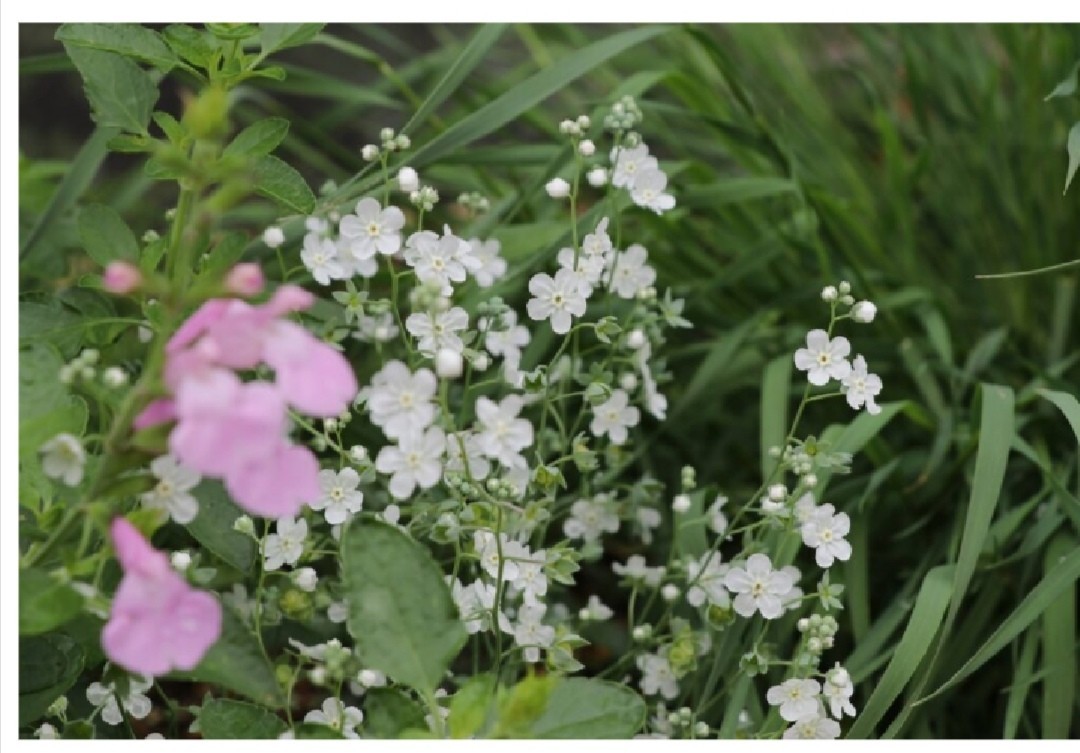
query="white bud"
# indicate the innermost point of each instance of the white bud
(392, 514)
(87, 372)
(670, 592)
(597, 177)
(642, 632)
(145, 334)
(408, 179)
(318, 675)
(330, 424)
(370, 152)
(847, 300)
(628, 381)
(777, 492)
(66, 375)
(701, 729)
(845, 287)
(636, 339)
(814, 645)
(586, 148)
(681, 503)
(557, 188)
(273, 236)
(448, 363)
(386, 134)
(358, 453)
(305, 579)
(863, 312)
(809, 480)
(481, 362)
(371, 678)
(90, 356)
(829, 294)
(839, 677)
(114, 377)
(181, 560)
(775, 451)
(567, 126)
(244, 525)
(803, 624)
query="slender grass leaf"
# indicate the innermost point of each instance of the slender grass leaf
(1067, 404)
(405, 625)
(914, 644)
(736, 190)
(276, 37)
(1072, 146)
(1067, 86)
(1059, 648)
(1022, 680)
(775, 389)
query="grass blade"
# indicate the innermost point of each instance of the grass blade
(775, 386)
(1059, 648)
(1067, 404)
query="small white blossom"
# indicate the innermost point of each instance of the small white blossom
(838, 690)
(586, 148)
(449, 363)
(629, 163)
(378, 329)
(559, 299)
(439, 260)
(796, 698)
(320, 256)
(861, 387)
(337, 715)
(597, 177)
(415, 461)
(63, 457)
(759, 587)
(596, 610)
(614, 416)
(591, 518)
(135, 703)
(475, 603)
(657, 676)
(285, 546)
(530, 633)
(707, 576)
(822, 358)
(372, 229)
(306, 579)
(648, 191)
(399, 401)
(436, 331)
(492, 266)
(171, 493)
(340, 499)
(813, 727)
(649, 519)
(503, 435)
(478, 465)
(509, 341)
(636, 569)
(46, 732)
(824, 532)
(632, 274)
(718, 522)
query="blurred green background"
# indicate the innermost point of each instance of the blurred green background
(906, 159)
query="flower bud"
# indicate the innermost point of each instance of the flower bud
(829, 294)
(863, 312)
(273, 236)
(114, 377)
(408, 179)
(586, 148)
(557, 188)
(845, 287)
(245, 280)
(121, 278)
(448, 363)
(305, 579)
(370, 152)
(636, 339)
(180, 560)
(670, 592)
(358, 453)
(597, 177)
(681, 503)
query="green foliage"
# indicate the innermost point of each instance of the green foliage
(48, 665)
(213, 527)
(44, 603)
(225, 719)
(405, 625)
(389, 713)
(281, 182)
(120, 92)
(105, 235)
(584, 708)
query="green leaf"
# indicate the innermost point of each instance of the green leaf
(121, 93)
(1059, 648)
(737, 190)
(130, 40)
(225, 719)
(1067, 404)
(105, 235)
(44, 602)
(775, 386)
(259, 138)
(224, 255)
(586, 708)
(690, 538)
(78, 176)
(50, 322)
(925, 620)
(279, 181)
(1072, 146)
(192, 45)
(312, 731)
(213, 527)
(470, 706)
(275, 37)
(388, 712)
(237, 663)
(48, 666)
(1067, 86)
(401, 614)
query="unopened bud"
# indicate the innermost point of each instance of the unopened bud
(245, 280)
(121, 278)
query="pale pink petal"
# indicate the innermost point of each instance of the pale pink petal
(311, 375)
(278, 485)
(159, 411)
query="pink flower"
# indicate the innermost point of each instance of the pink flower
(245, 279)
(278, 484)
(121, 277)
(311, 375)
(160, 411)
(158, 623)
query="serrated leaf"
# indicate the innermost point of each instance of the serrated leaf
(281, 182)
(121, 93)
(259, 138)
(407, 625)
(226, 719)
(105, 235)
(236, 662)
(130, 40)
(586, 708)
(48, 666)
(213, 526)
(388, 712)
(276, 37)
(44, 603)
(189, 43)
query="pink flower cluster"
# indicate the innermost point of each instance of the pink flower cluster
(158, 622)
(236, 430)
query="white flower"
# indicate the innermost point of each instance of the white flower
(371, 678)
(636, 569)
(503, 435)
(635, 339)
(478, 465)
(648, 518)
(648, 191)
(408, 179)
(379, 329)
(804, 507)
(655, 402)
(632, 274)
(863, 312)
(320, 256)
(273, 236)
(707, 576)
(317, 225)
(401, 402)
(171, 492)
(285, 546)
(63, 457)
(439, 260)
(558, 298)
(813, 727)
(657, 676)
(46, 732)
(372, 229)
(759, 587)
(829, 293)
(509, 341)
(591, 518)
(435, 331)
(613, 417)
(822, 358)
(475, 603)
(596, 610)
(530, 633)
(415, 461)
(718, 522)
(530, 573)
(588, 269)
(557, 188)
(629, 163)
(306, 579)
(180, 561)
(487, 548)
(838, 690)
(597, 177)
(337, 715)
(796, 698)
(352, 265)
(340, 498)
(492, 266)
(861, 387)
(824, 532)
(136, 703)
